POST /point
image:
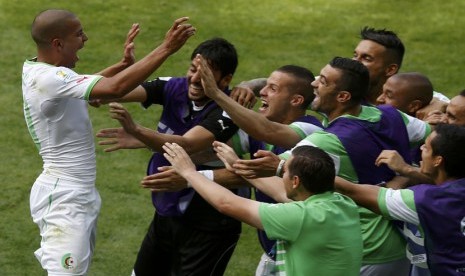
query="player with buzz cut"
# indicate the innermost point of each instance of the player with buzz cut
(64, 201)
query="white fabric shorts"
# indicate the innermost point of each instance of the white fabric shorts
(66, 213)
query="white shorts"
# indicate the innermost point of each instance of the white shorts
(66, 213)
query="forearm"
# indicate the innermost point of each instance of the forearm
(257, 125)
(225, 201)
(271, 186)
(218, 196)
(125, 81)
(364, 195)
(153, 139)
(229, 179)
(415, 175)
(114, 69)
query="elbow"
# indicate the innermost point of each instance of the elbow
(112, 89)
(118, 91)
(224, 206)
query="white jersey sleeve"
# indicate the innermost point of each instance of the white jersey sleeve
(398, 205)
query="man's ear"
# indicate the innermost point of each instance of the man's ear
(414, 106)
(295, 182)
(438, 161)
(391, 69)
(343, 96)
(226, 80)
(57, 43)
(297, 100)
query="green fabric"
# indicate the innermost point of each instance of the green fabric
(318, 236)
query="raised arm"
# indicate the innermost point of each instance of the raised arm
(222, 199)
(123, 82)
(128, 56)
(256, 125)
(396, 163)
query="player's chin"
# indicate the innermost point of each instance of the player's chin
(198, 97)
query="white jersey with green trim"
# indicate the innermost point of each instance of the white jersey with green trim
(55, 109)
(398, 205)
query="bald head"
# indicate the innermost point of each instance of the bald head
(407, 92)
(50, 24)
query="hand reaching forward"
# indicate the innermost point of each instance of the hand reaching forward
(226, 154)
(120, 113)
(118, 138)
(179, 159)
(264, 165)
(166, 180)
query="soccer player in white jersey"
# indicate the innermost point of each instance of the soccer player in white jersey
(64, 201)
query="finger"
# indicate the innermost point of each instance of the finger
(246, 173)
(133, 32)
(156, 190)
(379, 161)
(178, 22)
(110, 149)
(107, 133)
(165, 168)
(239, 165)
(115, 105)
(109, 130)
(107, 142)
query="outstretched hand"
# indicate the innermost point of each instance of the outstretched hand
(120, 113)
(177, 35)
(166, 180)
(226, 154)
(118, 138)
(264, 165)
(178, 158)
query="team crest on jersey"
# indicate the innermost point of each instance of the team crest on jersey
(62, 75)
(67, 261)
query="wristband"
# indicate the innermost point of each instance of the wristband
(207, 173)
(279, 170)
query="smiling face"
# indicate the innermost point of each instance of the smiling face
(276, 97)
(325, 90)
(195, 88)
